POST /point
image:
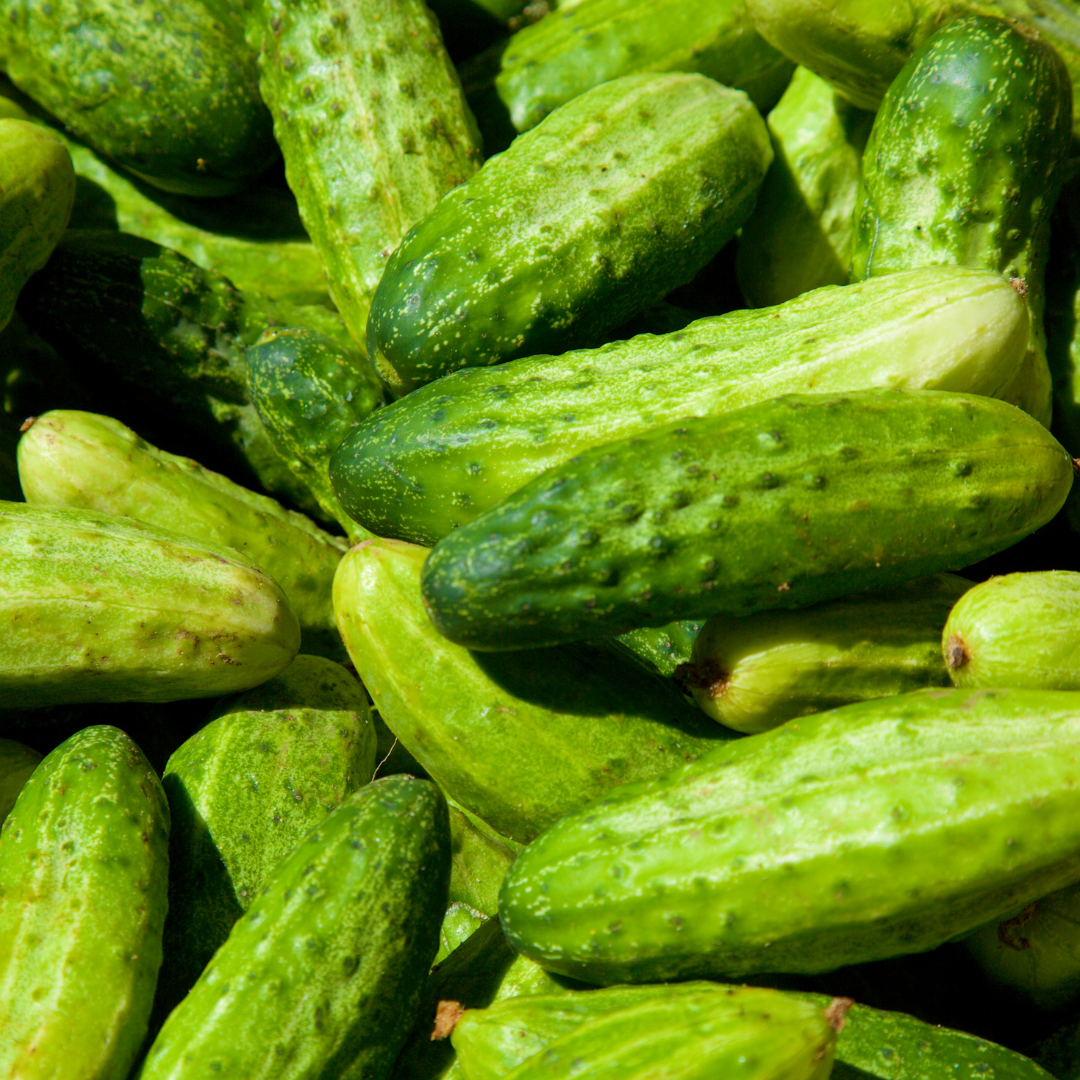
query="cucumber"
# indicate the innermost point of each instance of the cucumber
(447, 453)
(83, 870)
(372, 124)
(459, 923)
(1018, 630)
(877, 829)
(784, 504)
(37, 188)
(244, 791)
(659, 650)
(166, 89)
(590, 42)
(480, 858)
(101, 608)
(17, 762)
(91, 462)
(615, 199)
(310, 393)
(322, 975)
(799, 236)
(755, 673)
(964, 164)
(518, 740)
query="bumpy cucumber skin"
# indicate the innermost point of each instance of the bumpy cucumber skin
(322, 975)
(91, 462)
(100, 608)
(556, 59)
(448, 452)
(520, 740)
(37, 189)
(784, 504)
(310, 393)
(244, 790)
(964, 164)
(83, 872)
(166, 89)
(480, 859)
(372, 123)
(877, 829)
(757, 672)
(799, 236)
(1019, 630)
(17, 762)
(616, 198)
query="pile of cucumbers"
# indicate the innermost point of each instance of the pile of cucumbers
(537, 540)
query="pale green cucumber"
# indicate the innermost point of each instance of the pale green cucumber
(17, 762)
(459, 923)
(81, 460)
(480, 858)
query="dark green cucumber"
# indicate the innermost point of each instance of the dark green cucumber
(17, 762)
(661, 649)
(779, 505)
(616, 198)
(244, 790)
(964, 164)
(84, 865)
(372, 124)
(322, 975)
(167, 89)
(874, 830)
(517, 740)
(310, 393)
(446, 453)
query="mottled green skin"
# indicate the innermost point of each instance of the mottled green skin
(310, 393)
(95, 607)
(92, 462)
(480, 857)
(320, 979)
(37, 187)
(964, 164)
(659, 649)
(756, 672)
(799, 236)
(616, 198)
(165, 340)
(586, 43)
(164, 88)
(783, 504)
(879, 829)
(84, 864)
(244, 790)
(459, 923)
(17, 762)
(372, 123)
(1019, 630)
(448, 452)
(519, 740)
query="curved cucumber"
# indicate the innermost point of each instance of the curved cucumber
(882, 828)
(17, 762)
(90, 462)
(518, 740)
(1018, 630)
(615, 199)
(321, 976)
(759, 671)
(448, 452)
(84, 865)
(97, 607)
(801, 499)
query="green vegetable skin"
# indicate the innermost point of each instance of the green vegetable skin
(37, 186)
(83, 872)
(661, 649)
(616, 198)
(1018, 630)
(96, 607)
(754, 673)
(964, 164)
(799, 236)
(17, 762)
(783, 504)
(449, 452)
(520, 740)
(322, 975)
(372, 124)
(480, 859)
(878, 829)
